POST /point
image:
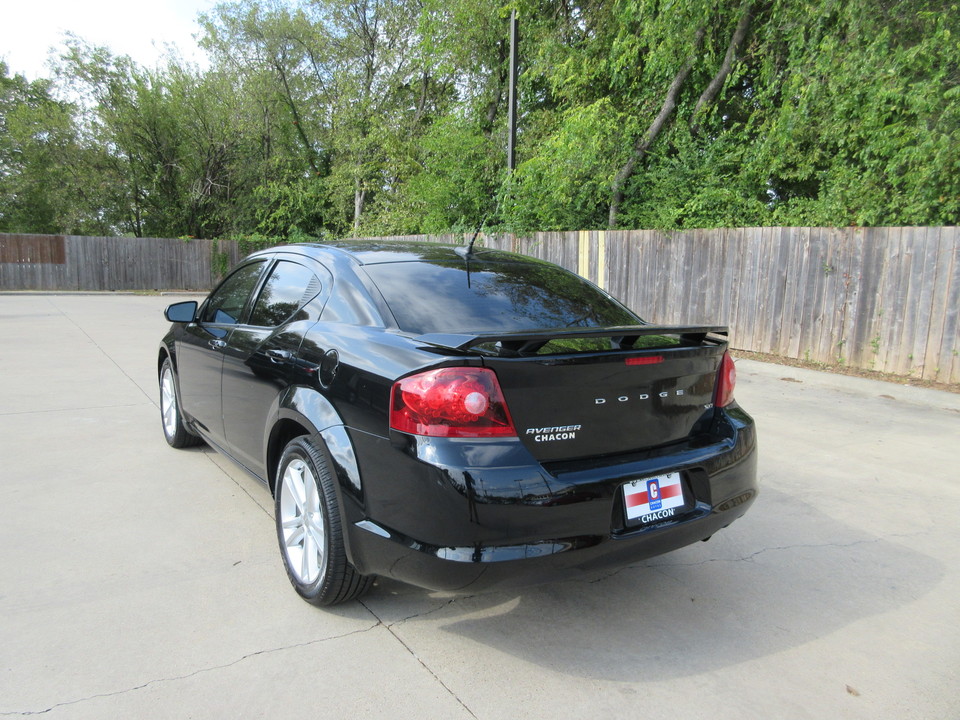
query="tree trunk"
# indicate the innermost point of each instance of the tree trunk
(739, 34)
(359, 196)
(659, 122)
(288, 99)
(493, 107)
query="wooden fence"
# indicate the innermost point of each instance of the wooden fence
(885, 299)
(70, 262)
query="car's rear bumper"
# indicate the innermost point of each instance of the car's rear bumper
(459, 526)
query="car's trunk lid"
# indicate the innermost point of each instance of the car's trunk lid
(650, 388)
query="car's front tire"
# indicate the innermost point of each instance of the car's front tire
(174, 429)
(309, 528)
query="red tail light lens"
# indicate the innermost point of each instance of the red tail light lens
(451, 402)
(726, 380)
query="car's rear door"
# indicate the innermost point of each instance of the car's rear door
(260, 354)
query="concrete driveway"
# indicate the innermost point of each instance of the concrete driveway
(141, 581)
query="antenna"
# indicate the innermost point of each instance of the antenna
(469, 250)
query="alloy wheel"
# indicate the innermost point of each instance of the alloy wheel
(302, 522)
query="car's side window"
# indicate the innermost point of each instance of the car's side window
(226, 303)
(289, 287)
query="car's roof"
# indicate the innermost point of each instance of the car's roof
(373, 252)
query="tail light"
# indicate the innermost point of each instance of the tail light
(726, 380)
(451, 402)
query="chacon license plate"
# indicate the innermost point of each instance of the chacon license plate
(653, 499)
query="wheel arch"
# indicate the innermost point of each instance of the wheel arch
(163, 353)
(283, 431)
(304, 411)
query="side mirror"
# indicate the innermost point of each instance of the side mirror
(181, 312)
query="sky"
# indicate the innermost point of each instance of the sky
(29, 28)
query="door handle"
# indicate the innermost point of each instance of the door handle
(217, 344)
(278, 356)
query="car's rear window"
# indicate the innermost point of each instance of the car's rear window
(444, 297)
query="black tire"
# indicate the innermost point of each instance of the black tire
(309, 528)
(171, 419)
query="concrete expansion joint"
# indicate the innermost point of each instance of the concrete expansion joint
(187, 676)
(390, 629)
(75, 409)
(102, 351)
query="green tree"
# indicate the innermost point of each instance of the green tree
(50, 182)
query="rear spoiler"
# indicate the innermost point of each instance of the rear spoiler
(625, 336)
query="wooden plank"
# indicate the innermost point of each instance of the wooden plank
(602, 267)
(570, 248)
(735, 252)
(702, 261)
(635, 265)
(927, 257)
(825, 343)
(812, 312)
(845, 317)
(780, 322)
(638, 258)
(898, 285)
(622, 281)
(801, 237)
(723, 273)
(619, 274)
(774, 267)
(673, 306)
(909, 280)
(113, 275)
(761, 269)
(887, 289)
(865, 335)
(583, 254)
(652, 250)
(949, 356)
(748, 304)
(659, 282)
(765, 269)
(937, 365)
(674, 258)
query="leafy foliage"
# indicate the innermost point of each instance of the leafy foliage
(335, 117)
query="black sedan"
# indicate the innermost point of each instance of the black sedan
(455, 419)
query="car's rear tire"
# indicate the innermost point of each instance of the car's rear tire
(309, 528)
(174, 429)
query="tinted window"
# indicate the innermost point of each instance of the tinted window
(226, 303)
(443, 297)
(286, 291)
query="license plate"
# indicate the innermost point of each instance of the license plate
(653, 499)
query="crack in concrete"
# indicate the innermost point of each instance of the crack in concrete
(187, 676)
(390, 629)
(425, 613)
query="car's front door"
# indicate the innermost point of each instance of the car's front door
(201, 346)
